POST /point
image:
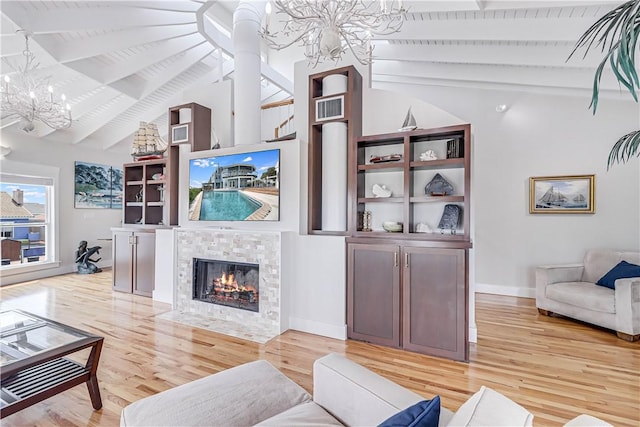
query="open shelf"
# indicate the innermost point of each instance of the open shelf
(407, 178)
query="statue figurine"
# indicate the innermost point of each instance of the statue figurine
(83, 258)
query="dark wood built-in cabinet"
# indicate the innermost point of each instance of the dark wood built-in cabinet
(409, 289)
(151, 200)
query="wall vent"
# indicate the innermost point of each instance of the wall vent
(330, 108)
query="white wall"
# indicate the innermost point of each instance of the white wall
(540, 135)
(74, 224)
(219, 98)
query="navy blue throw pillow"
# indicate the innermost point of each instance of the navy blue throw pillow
(623, 270)
(423, 414)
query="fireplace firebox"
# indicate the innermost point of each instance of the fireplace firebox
(232, 284)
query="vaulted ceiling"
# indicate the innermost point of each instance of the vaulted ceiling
(122, 62)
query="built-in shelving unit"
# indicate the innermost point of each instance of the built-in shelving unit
(409, 289)
(343, 107)
(406, 179)
(147, 186)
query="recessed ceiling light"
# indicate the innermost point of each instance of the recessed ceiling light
(501, 108)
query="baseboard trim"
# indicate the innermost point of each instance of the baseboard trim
(512, 291)
(318, 328)
(473, 334)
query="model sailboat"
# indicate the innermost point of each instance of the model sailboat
(147, 143)
(409, 122)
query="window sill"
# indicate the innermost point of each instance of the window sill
(11, 270)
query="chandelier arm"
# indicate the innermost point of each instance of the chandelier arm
(280, 46)
(378, 32)
(365, 61)
(295, 13)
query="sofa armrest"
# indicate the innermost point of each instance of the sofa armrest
(549, 274)
(559, 273)
(627, 301)
(357, 396)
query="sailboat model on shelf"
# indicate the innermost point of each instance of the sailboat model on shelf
(409, 122)
(147, 143)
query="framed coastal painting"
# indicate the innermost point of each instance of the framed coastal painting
(97, 186)
(562, 194)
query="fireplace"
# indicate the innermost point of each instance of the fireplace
(232, 284)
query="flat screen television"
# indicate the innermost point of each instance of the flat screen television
(235, 187)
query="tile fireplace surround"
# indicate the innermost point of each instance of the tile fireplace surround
(262, 248)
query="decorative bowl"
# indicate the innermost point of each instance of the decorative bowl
(392, 226)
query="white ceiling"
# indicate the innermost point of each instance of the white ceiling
(122, 62)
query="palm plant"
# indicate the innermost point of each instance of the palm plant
(617, 32)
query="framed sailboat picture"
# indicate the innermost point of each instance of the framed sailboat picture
(562, 194)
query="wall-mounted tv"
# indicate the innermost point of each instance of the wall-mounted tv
(235, 187)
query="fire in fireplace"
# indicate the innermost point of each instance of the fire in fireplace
(233, 284)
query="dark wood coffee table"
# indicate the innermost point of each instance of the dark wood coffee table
(32, 362)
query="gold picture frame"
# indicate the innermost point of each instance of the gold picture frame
(571, 194)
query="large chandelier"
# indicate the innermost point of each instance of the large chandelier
(27, 97)
(328, 28)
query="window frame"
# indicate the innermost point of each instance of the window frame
(32, 172)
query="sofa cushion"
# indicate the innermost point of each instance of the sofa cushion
(587, 421)
(240, 396)
(623, 270)
(305, 415)
(489, 408)
(425, 413)
(584, 295)
(598, 261)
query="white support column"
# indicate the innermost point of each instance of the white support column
(246, 43)
(334, 162)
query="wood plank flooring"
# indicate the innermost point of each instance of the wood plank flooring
(554, 367)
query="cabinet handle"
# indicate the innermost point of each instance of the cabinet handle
(406, 260)
(395, 259)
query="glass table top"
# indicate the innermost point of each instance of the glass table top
(23, 335)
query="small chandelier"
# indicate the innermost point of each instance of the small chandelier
(27, 97)
(327, 29)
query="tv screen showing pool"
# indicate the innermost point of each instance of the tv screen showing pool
(235, 187)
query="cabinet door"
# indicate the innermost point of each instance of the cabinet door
(373, 293)
(122, 261)
(144, 266)
(434, 295)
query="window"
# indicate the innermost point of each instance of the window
(27, 231)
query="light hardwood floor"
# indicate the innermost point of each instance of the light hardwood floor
(554, 367)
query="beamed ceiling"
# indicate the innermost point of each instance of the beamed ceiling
(122, 62)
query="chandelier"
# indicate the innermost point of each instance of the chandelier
(27, 97)
(327, 29)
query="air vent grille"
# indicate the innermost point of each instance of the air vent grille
(330, 108)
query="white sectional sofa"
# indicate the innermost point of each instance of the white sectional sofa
(344, 393)
(570, 290)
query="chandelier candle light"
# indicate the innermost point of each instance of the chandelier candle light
(27, 97)
(327, 29)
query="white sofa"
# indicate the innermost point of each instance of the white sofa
(570, 290)
(344, 393)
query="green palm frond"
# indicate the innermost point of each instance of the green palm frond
(617, 33)
(625, 148)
